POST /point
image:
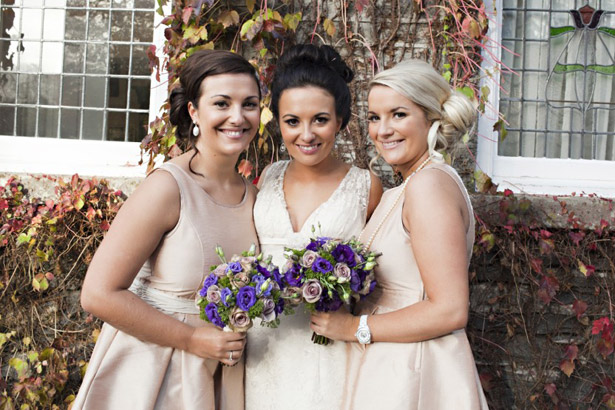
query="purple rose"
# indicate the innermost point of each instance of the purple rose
(211, 311)
(322, 265)
(312, 291)
(279, 307)
(262, 285)
(212, 279)
(225, 295)
(235, 267)
(275, 273)
(246, 298)
(213, 294)
(263, 271)
(293, 276)
(355, 281)
(327, 304)
(269, 313)
(344, 254)
(239, 321)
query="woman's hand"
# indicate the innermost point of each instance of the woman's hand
(212, 343)
(338, 325)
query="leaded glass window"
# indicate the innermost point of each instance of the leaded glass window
(75, 69)
(560, 103)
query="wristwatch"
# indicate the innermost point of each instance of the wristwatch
(363, 334)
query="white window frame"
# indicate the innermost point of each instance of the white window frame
(56, 156)
(530, 175)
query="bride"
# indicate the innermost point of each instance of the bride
(314, 190)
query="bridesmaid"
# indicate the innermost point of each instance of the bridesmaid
(411, 350)
(154, 352)
(311, 101)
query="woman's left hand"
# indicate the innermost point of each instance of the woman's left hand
(338, 325)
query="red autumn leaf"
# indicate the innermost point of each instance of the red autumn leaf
(545, 234)
(360, 4)
(255, 180)
(536, 265)
(546, 246)
(550, 389)
(605, 346)
(603, 225)
(586, 270)
(579, 308)
(104, 225)
(576, 237)
(548, 288)
(571, 352)
(601, 325)
(186, 15)
(507, 192)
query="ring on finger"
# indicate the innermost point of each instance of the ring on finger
(230, 356)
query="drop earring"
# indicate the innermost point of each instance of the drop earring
(195, 130)
(282, 148)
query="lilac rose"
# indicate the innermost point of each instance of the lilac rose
(269, 312)
(220, 270)
(342, 271)
(235, 267)
(308, 259)
(246, 298)
(312, 291)
(213, 294)
(225, 295)
(293, 295)
(239, 280)
(239, 321)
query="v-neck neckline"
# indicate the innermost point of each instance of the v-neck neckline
(280, 186)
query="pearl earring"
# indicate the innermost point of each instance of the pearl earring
(282, 148)
(195, 130)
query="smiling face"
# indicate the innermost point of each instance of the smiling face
(398, 128)
(308, 123)
(228, 112)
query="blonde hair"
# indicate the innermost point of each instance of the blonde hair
(450, 113)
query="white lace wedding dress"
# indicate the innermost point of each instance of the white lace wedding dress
(284, 369)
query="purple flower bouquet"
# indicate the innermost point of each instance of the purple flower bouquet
(326, 274)
(237, 292)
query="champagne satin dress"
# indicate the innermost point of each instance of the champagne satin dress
(127, 373)
(436, 374)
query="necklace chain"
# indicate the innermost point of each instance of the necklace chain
(401, 193)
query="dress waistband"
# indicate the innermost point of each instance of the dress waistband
(162, 300)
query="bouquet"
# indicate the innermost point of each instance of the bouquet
(236, 292)
(326, 274)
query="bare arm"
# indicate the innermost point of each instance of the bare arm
(150, 212)
(434, 212)
(375, 193)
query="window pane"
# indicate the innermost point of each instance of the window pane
(52, 58)
(95, 92)
(51, 29)
(48, 122)
(119, 59)
(98, 25)
(118, 92)
(8, 87)
(70, 122)
(7, 118)
(137, 127)
(50, 89)
(140, 62)
(116, 124)
(26, 121)
(144, 27)
(32, 23)
(73, 58)
(144, 4)
(7, 58)
(30, 56)
(76, 29)
(92, 125)
(28, 89)
(121, 24)
(96, 62)
(139, 94)
(71, 91)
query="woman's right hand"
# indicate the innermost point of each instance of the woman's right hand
(213, 343)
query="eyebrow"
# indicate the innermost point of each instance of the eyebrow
(229, 97)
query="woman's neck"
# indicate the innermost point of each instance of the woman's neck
(214, 165)
(415, 165)
(320, 170)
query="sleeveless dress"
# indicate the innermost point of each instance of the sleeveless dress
(127, 373)
(436, 374)
(284, 368)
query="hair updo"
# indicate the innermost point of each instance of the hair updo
(306, 65)
(192, 72)
(451, 113)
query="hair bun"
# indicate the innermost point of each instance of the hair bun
(309, 54)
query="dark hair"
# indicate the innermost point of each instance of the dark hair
(203, 63)
(310, 65)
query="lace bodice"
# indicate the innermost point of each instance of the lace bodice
(341, 216)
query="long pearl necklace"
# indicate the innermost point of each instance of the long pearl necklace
(401, 193)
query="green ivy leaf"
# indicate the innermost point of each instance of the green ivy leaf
(20, 366)
(291, 21)
(467, 91)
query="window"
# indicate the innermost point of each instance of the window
(559, 102)
(75, 85)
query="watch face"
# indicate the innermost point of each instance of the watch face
(363, 336)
